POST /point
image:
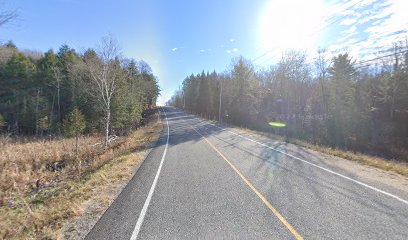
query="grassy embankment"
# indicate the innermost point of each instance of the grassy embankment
(42, 184)
(374, 161)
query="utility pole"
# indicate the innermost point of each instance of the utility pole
(219, 107)
(184, 101)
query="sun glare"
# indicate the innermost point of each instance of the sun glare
(286, 24)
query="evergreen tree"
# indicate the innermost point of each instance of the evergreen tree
(74, 124)
(204, 97)
(343, 80)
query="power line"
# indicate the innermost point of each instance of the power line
(364, 63)
(337, 20)
(262, 55)
(381, 57)
(311, 34)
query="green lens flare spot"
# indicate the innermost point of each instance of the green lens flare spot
(277, 124)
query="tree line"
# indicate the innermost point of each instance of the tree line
(41, 91)
(338, 102)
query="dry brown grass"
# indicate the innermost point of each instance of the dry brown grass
(381, 163)
(37, 201)
(22, 164)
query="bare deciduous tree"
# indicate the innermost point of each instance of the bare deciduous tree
(6, 16)
(103, 68)
(322, 65)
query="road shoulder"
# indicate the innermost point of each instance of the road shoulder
(117, 175)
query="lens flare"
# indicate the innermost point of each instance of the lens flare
(277, 124)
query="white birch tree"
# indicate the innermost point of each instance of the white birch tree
(103, 68)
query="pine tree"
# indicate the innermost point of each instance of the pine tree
(73, 125)
(343, 78)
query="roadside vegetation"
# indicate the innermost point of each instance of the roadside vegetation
(40, 90)
(63, 116)
(354, 108)
(42, 185)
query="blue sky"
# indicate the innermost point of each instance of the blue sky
(178, 38)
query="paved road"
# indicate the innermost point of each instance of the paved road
(204, 181)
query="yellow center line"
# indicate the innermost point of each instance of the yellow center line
(267, 203)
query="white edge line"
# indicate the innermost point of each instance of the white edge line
(315, 165)
(149, 196)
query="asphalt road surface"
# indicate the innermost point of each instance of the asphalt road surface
(206, 181)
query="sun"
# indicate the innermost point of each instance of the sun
(290, 24)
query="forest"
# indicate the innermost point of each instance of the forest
(67, 118)
(335, 101)
(67, 92)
